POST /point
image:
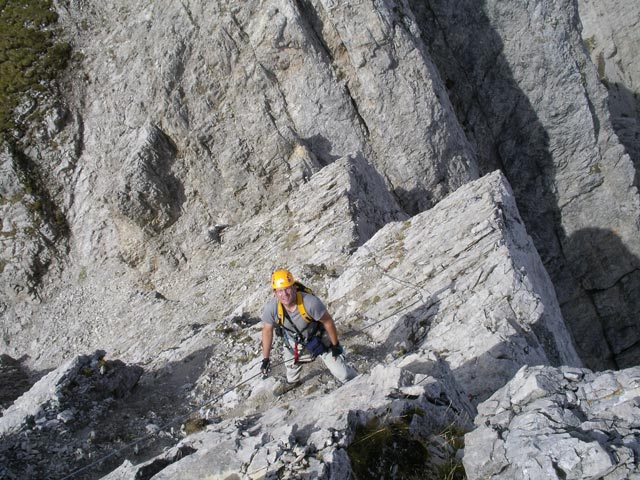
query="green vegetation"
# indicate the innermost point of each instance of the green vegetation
(193, 425)
(387, 450)
(30, 56)
(452, 468)
(590, 44)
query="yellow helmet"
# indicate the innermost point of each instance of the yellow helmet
(281, 279)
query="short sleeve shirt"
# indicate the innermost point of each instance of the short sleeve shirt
(312, 304)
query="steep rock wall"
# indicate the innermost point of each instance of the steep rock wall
(611, 35)
(531, 102)
(436, 312)
(469, 288)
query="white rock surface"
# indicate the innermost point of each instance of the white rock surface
(532, 104)
(611, 35)
(470, 288)
(558, 423)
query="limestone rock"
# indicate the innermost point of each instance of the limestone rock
(558, 423)
(196, 146)
(470, 288)
(261, 99)
(51, 425)
(148, 193)
(103, 379)
(530, 99)
(416, 140)
(611, 36)
(26, 238)
(295, 441)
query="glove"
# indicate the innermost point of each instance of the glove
(265, 367)
(336, 350)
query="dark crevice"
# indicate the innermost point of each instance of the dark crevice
(148, 471)
(562, 475)
(310, 15)
(594, 117)
(361, 120)
(611, 358)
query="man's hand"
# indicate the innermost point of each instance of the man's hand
(265, 367)
(336, 350)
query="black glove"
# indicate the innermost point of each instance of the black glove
(265, 368)
(336, 350)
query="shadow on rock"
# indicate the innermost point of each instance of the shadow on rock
(624, 106)
(92, 409)
(15, 379)
(405, 336)
(609, 274)
(505, 128)
(151, 418)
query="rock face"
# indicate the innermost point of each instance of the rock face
(452, 180)
(484, 286)
(611, 36)
(558, 423)
(552, 135)
(156, 146)
(147, 193)
(294, 441)
(469, 288)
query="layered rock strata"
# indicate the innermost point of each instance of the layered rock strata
(470, 288)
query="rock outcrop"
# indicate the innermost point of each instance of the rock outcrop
(558, 423)
(294, 440)
(542, 117)
(147, 193)
(430, 342)
(54, 416)
(470, 288)
(453, 181)
(610, 33)
(184, 132)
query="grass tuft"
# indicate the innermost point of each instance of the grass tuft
(30, 58)
(388, 450)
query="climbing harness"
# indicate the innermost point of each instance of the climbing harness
(295, 338)
(311, 340)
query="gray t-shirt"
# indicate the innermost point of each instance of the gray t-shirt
(312, 304)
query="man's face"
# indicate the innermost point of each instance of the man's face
(287, 296)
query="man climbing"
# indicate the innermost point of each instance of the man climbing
(306, 328)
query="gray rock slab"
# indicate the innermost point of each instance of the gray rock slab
(470, 288)
(558, 423)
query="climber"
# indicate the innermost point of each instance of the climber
(292, 314)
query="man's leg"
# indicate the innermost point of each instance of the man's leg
(338, 367)
(293, 371)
